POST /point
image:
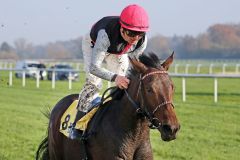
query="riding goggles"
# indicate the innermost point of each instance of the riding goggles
(131, 33)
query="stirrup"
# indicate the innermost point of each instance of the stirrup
(73, 132)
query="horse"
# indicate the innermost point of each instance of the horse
(123, 133)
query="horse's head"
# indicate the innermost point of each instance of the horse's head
(155, 94)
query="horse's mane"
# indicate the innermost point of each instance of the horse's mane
(150, 60)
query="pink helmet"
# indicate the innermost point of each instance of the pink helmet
(134, 18)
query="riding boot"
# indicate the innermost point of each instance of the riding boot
(75, 133)
(95, 102)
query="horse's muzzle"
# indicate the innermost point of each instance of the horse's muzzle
(169, 132)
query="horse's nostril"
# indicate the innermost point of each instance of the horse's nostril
(175, 130)
(167, 128)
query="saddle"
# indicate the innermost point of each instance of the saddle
(69, 115)
(96, 112)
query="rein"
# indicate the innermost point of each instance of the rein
(155, 122)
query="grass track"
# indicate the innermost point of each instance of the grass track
(208, 130)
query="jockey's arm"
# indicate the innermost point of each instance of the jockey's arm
(99, 53)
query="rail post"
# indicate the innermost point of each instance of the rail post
(70, 80)
(23, 78)
(37, 79)
(199, 68)
(215, 90)
(183, 89)
(53, 79)
(211, 68)
(10, 77)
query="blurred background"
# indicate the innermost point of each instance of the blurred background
(41, 62)
(53, 29)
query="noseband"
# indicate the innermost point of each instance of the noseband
(140, 109)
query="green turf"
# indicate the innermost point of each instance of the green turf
(208, 130)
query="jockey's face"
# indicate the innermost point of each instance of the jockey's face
(131, 37)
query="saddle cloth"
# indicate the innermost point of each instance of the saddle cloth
(69, 116)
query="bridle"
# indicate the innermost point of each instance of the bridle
(140, 109)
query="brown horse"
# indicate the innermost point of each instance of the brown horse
(123, 131)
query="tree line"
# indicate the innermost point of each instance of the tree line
(220, 41)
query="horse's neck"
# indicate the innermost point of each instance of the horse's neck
(127, 112)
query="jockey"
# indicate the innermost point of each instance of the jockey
(112, 39)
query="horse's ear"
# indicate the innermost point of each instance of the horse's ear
(166, 64)
(138, 66)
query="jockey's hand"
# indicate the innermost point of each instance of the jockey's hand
(122, 82)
